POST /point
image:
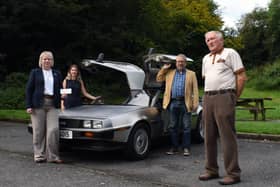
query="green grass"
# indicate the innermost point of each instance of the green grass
(244, 118)
(274, 103)
(17, 115)
(244, 121)
(258, 127)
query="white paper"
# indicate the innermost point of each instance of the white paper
(66, 91)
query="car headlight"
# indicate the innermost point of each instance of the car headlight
(95, 124)
(87, 123)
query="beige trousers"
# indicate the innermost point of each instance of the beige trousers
(219, 121)
(45, 132)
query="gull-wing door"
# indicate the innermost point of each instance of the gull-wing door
(135, 77)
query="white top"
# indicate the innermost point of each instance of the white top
(48, 80)
(218, 70)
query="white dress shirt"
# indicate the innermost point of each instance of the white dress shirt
(48, 79)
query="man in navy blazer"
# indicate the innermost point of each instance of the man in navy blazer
(42, 103)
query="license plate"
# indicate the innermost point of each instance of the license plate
(65, 134)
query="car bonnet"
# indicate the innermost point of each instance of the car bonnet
(97, 111)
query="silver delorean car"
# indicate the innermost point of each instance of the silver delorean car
(132, 125)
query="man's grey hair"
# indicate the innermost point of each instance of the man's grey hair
(217, 33)
(183, 56)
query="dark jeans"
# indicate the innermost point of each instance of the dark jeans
(179, 117)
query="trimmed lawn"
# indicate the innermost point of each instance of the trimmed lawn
(14, 115)
(274, 103)
(259, 127)
(244, 121)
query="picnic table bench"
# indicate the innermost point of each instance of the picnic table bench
(254, 105)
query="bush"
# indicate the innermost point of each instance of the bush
(16, 80)
(266, 77)
(12, 98)
(12, 91)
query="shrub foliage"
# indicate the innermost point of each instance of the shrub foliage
(12, 91)
(265, 77)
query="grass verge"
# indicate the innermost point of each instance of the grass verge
(16, 115)
(271, 126)
(258, 127)
(274, 103)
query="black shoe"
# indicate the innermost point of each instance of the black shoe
(186, 152)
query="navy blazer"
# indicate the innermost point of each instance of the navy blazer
(35, 88)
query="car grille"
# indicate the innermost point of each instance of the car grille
(70, 123)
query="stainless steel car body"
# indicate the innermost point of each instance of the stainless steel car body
(118, 119)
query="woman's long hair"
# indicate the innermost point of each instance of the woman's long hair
(69, 77)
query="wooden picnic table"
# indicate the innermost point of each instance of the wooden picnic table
(254, 105)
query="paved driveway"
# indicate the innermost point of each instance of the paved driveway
(259, 162)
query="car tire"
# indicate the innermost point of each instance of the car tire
(139, 143)
(199, 130)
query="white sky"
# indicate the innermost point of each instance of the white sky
(232, 10)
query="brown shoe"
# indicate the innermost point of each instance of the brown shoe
(229, 180)
(40, 160)
(57, 161)
(208, 176)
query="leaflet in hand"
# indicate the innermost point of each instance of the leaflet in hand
(66, 91)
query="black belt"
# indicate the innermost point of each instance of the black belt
(215, 92)
(178, 98)
(48, 96)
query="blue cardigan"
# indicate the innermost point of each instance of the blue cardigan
(35, 88)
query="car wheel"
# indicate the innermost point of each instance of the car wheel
(139, 143)
(199, 130)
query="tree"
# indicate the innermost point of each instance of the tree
(178, 26)
(253, 31)
(29, 27)
(274, 29)
(122, 29)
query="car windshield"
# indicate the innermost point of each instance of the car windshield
(110, 84)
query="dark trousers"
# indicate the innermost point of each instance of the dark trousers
(179, 116)
(219, 120)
